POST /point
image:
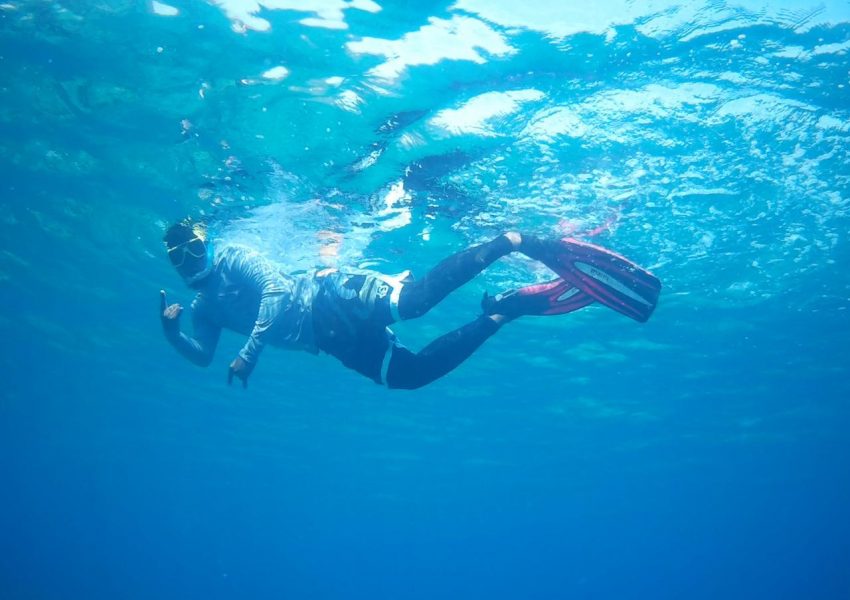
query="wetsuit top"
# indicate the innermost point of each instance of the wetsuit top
(249, 295)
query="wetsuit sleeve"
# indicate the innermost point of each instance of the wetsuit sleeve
(199, 349)
(254, 271)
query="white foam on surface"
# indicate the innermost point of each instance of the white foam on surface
(553, 122)
(349, 100)
(702, 192)
(656, 99)
(329, 14)
(655, 18)
(827, 122)
(163, 10)
(653, 100)
(334, 23)
(276, 73)
(799, 53)
(791, 52)
(473, 116)
(762, 107)
(557, 19)
(831, 48)
(459, 38)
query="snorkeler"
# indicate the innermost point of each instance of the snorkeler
(347, 314)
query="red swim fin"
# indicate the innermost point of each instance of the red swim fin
(604, 276)
(555, 297)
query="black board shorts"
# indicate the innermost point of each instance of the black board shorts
(351, 318)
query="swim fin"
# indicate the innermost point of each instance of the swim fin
(556, 297)
(604, 276)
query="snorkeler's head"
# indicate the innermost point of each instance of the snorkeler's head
(189, 251)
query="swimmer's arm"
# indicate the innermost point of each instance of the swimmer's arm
(258, 273)
(200, 348)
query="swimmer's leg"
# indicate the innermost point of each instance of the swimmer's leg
(409, 371)
(418, 297)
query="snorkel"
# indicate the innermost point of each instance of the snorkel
(196, 280)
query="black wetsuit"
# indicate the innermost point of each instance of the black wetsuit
(345, 314)
(352, 314)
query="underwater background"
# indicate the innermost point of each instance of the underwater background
(703, 454)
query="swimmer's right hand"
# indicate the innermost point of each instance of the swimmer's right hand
(169, 314)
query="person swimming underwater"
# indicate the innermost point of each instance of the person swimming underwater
(347, 314)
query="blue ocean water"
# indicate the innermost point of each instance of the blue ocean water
(703, 454)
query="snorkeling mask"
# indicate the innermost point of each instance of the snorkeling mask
(193, 257)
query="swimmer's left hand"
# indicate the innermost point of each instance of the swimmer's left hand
(241, 369)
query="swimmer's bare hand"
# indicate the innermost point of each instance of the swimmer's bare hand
(169, 314)
(241, 369)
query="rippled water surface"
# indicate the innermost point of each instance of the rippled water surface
(703, 454)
